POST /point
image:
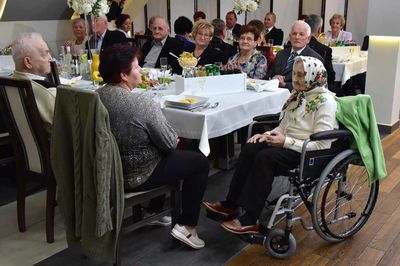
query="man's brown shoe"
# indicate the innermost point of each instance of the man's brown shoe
(235, 227)
(217, 207)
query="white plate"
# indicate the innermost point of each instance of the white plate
(175, 101)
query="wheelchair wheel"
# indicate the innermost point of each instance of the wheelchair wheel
(343, 199)
(277, 246)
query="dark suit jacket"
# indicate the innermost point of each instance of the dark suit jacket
(226, 49)
(281, 60)
(110, 38)
(171, 45)
(209, 56)
(326, 53)
(275, 34)
(236, 30)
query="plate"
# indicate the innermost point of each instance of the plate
(80, 84)
(186, 102)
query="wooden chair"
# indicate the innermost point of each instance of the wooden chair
(31, 147)
(53, 76)
(77, 101)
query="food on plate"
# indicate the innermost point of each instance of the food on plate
(187, 60)
(147, 83)
(190, 100)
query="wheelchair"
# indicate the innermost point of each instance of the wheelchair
(332, 184)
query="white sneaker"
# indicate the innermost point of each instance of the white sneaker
(182, 234)
(163, 221)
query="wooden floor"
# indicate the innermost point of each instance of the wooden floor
(378, 242)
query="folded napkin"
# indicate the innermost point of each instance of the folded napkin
(262, 85)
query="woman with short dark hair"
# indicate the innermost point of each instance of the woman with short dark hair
(183, 27)
(147, 142)
(124, 24)
(251, 61)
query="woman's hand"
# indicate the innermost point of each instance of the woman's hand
(281, 80)
(273, 138)
(256, 138)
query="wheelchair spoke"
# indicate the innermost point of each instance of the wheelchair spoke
(342, 206)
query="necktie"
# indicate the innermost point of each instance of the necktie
(289, 63)
(266, 31)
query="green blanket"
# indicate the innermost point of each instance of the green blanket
(356, 113)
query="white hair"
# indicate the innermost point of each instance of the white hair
(304, 24)
(23, 47)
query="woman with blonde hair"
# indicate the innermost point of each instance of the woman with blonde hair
(337, 33)
(80, 37)
(202, 33)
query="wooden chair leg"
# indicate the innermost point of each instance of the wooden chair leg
(21, 193)
(50, 205)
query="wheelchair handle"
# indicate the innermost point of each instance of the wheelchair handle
(332, 134)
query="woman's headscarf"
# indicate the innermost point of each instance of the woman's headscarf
(315, 78)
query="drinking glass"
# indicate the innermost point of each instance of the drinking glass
(270, 42)
(163, 63)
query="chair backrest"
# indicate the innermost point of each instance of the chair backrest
(21, 115)
(53, 76)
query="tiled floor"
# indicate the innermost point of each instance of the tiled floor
(30, 247)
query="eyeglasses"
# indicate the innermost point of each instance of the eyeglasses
(203, 35)
(249, 39)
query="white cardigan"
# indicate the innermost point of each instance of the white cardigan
(299, 124)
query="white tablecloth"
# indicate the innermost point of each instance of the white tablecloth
(345, 70)
(233, 112)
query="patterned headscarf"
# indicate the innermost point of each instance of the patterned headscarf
(315, 77)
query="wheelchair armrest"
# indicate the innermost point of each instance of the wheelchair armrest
(331, 134)
(267, 118)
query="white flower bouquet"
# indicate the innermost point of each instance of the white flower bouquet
(245, 5)
(95, 7)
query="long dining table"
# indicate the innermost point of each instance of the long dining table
(233, 112)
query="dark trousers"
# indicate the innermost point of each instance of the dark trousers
(192, 168)
(252, 181)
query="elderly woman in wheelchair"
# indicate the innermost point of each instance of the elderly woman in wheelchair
(307, 126)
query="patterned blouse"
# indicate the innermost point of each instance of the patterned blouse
(255, 67)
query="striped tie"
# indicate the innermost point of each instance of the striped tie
(289, 64)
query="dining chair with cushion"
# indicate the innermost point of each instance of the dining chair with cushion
(88, 170)
(30, 145)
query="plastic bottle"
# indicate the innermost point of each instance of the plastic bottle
(68, 59)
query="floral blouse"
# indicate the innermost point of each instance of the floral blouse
(255, 67)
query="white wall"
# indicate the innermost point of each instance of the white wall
(287, 12)
(383, 18)
(311, 7)
(181, 8)
(357, 20)
(54, 32)
(209, 7)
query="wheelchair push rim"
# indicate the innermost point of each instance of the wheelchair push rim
(343, 199)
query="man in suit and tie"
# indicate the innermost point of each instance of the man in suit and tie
(161, 45)
(324, 51)
(271, 32)
(300, 35)
(232, 27)
(104, 38)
